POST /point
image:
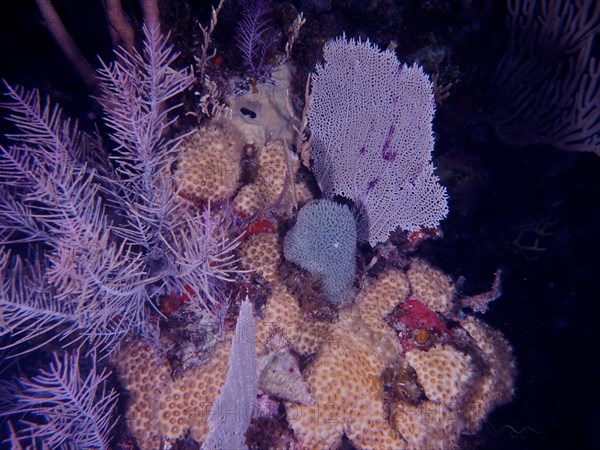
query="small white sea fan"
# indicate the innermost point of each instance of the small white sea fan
(231, 413)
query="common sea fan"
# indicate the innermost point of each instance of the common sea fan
(230, 415)
(371, 122)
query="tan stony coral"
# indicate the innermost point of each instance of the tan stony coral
(443, 372)
(162, 410)
(373, 304)
(276, 171)
(344, 377)
(283, 316)
(427, 425)
(343, 390)
(496, 382)
(262, 253)
(432, 286)
(379, 299)
(349, 400)
(209, 167)
(347, 376)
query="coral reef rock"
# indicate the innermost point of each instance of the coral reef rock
(356, 378)
(262, 112)
(209, 167)
(276, 172)
(463, 377)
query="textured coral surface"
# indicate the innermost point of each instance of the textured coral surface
(392, 363)
(209, 166)
(161, 409)
(359, 381)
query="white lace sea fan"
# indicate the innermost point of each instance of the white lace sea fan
(371, 121)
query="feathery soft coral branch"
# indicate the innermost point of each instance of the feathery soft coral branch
(81, 281)
(255, 37)
(62, 408)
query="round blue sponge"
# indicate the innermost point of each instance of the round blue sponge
(323, 241)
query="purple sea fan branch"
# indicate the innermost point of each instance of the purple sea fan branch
(64, 408)
(27, 307)
(255, 37)
(231, 412)
(206, 260)
(42, 125)
(90, 287)
(135, 90)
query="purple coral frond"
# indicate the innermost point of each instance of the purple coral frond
(27, 309)
(136, 89)
(61, 407)
(95, 281)
(255, 37)
(41, 125)
(40, 173)
(75, 282)
(101, 243)
(205, 245)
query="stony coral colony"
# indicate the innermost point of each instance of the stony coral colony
(397, 365)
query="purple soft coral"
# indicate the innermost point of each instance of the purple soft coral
(255, 37)
(61, 408)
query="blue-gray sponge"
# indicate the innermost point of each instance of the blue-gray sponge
(323, 242)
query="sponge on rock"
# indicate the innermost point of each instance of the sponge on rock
(323, 242)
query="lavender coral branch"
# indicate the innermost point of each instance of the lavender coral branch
(61, 408)
(85, 248)
(255, 37)
(80, 279)
(187, 253)
(206, 259)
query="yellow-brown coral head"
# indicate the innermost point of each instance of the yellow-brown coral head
(262, 253)
(431, 286)
(209, 167)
